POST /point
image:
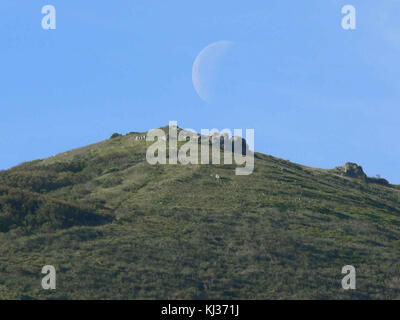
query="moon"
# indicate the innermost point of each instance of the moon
(206, 67)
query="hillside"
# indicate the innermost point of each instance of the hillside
(116, 227)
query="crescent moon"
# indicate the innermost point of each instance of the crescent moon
(205, 68)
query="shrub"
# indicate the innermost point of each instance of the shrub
(115, 135)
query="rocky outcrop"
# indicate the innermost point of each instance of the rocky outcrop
(352, 170)
(237, 144)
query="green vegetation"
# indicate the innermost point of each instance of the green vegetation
(115, 135)
(116, 227)
(30, 212)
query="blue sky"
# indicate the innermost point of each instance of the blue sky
(314, 93)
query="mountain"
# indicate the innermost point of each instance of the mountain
(116, 227)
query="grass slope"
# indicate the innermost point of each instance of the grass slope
(117, 227)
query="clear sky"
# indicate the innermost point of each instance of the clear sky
(315, 94)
